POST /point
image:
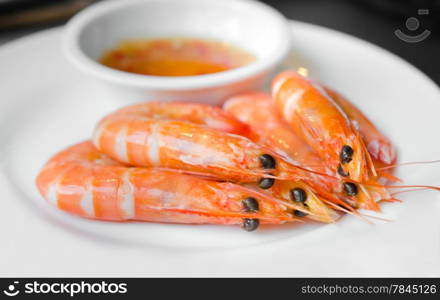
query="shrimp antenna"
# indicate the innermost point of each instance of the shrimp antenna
(409, 164)
(377, 218)
(353, 213)
(230, 214)
(389, 177)
(410, 190)
(426, 187)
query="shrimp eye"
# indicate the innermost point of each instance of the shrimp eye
(298, 213)
(266, 183)
(350, 189)
(346, 154)
(250, 204)
(250, 224)
(342, 172)
(298, 195)
(267, 161)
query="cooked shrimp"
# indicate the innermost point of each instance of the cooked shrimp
(267, 127)
(313, 115)
(82, 181)
(378, 145)
(170, 135)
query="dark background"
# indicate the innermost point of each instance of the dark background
(371, 20)
(376, 21)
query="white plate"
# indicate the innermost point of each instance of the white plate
(46, 105)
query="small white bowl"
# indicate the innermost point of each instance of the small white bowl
(250, 25)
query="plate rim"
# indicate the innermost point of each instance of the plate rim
(58, 30)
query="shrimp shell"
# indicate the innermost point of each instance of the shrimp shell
(85, 182)
(378, 145)
(316, 117)
(169, 135)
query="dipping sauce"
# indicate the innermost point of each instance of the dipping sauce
(175, 57)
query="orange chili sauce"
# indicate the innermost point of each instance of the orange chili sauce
(175, 57)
